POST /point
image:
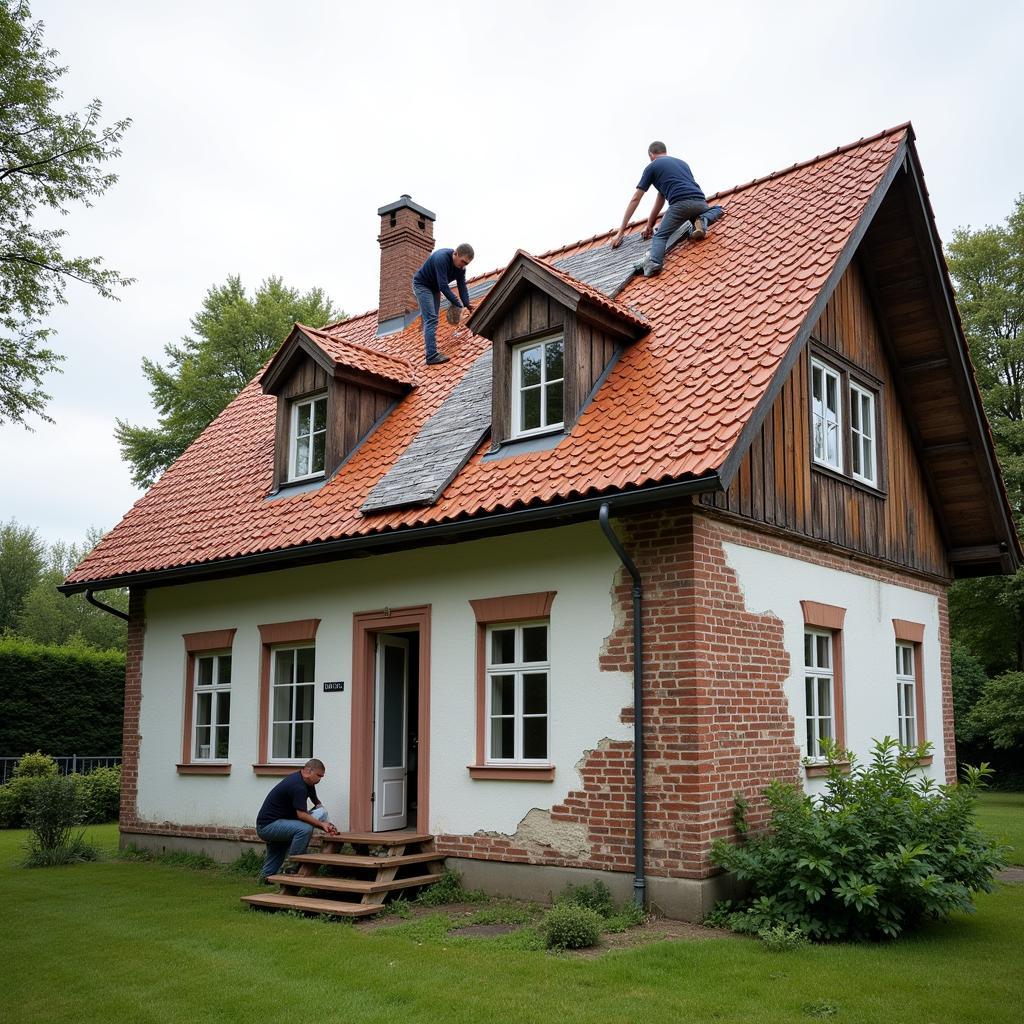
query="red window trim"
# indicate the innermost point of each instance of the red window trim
(200, 643)
(488, 612)
(273, 635)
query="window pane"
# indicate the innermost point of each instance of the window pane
(283, 703)
(529, 366)
(224, 670)
(224, 707)
(824, 729)
(304, 740)
(202, 743)
(535, 643)
(816, 390)
(553, 360)
(554, 411)
(535, 737)
(320, 414)
(808, 648)
(283, 661)
(319, 447)
(824, 652)
(831, 397)
(832, 444)
(530, 411)
(302, 456)
(809, 694)
(854, 409)
(503, 646)
(302, 427)
(812, 748)
(869, 461)
(304, 703)
(535, 693)
(204, 703)
(856, 453)
(503, 695)
(824, 698)
(204, 676)
(305, 664)
(222, 743)
(282, 737)
(502, 738)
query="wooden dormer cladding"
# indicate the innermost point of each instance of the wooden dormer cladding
(531, 300)
(361, 386)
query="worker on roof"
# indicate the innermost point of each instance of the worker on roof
(673, 179)
(432, 281)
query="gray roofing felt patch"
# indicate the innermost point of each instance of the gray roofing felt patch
(441, 448)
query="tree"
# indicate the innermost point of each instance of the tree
(988, 269)
(235, 336)
(47, 159)
(22, 556)
(998, 716)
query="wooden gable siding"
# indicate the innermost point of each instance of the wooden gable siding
(352, 409)
(777, 485)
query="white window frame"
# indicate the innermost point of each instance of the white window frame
(906, 693)
(815, 674)
(863, 440)
(821, 456)
(517, 668)
(215, 690)
(517, 388)
(293, 436)
(293, 721)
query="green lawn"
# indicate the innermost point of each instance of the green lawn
(1002, 814)
(144, 942)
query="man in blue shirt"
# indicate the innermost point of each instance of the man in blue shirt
(674, 181)
(432, 281)
(283, 822)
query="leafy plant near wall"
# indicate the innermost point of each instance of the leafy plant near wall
(881, 850)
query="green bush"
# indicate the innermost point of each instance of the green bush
(782, 939)
(34, 766)
(596, 896)
(100, 791)
(14, 798)
(55, 814)
(570, 926)
(876, 854)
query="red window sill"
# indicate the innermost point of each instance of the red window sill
(276, 769)
(203, 769)
(916, 762)
(819, 770)
(513, 773)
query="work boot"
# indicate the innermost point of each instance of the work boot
(700, 229)
(652, 269)
(436, 359)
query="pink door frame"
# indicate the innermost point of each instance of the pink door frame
(365, 627)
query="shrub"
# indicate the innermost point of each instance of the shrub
(876, 854)
(448, 889)
(35, 766)
(570, 926)
(54, 814)
(596, 896)
(248, 863)
(781, 939)
(100, 791)
(14, 797)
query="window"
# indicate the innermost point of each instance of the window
(819, 680)
(308, 438)
(518, 670)
(212, 704)
(537, 386)
(862, 435)
(827, 417)
(292, 703)
(906, 695)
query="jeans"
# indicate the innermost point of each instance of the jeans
(286, 837)
(430, 306)
(678, 214)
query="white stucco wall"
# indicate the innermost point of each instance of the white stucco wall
(584, 702)
(776, 584)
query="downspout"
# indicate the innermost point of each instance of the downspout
(639, 882)
(106, 607)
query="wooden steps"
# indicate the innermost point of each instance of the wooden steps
(355, 884)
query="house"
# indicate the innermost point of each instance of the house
(427, 576)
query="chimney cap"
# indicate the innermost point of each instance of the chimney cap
(406, 201)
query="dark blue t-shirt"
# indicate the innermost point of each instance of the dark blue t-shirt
(291, 794)
(437, 271)
(672, 178)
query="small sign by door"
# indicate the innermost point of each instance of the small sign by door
(336, 687)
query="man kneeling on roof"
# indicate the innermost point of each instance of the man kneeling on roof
(432, 281)
(674, 181)
(284, 824)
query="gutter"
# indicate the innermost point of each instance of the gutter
(574, 510)
(105, 607)
(639, 882)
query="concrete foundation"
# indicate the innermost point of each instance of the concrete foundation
(224, 851)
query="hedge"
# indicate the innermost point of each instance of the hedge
(68, 700)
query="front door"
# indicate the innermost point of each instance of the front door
(391, 770)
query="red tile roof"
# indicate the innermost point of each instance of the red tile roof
(346, 352)
(723, 315)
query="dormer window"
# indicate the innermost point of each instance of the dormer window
(308, 438)
(538, 377)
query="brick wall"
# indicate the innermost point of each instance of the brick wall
(404, 246)
(132, 707)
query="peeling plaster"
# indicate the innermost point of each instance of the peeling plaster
(537, 833)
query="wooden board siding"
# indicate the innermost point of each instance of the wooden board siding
(777, 485)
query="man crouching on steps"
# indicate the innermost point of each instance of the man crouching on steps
(284, 823)
(430, 282)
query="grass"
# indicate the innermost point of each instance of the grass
(1002, 815)
(151, 942)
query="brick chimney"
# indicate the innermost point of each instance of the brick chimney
(406, 240)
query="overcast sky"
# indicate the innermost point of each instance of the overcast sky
(266, 135)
